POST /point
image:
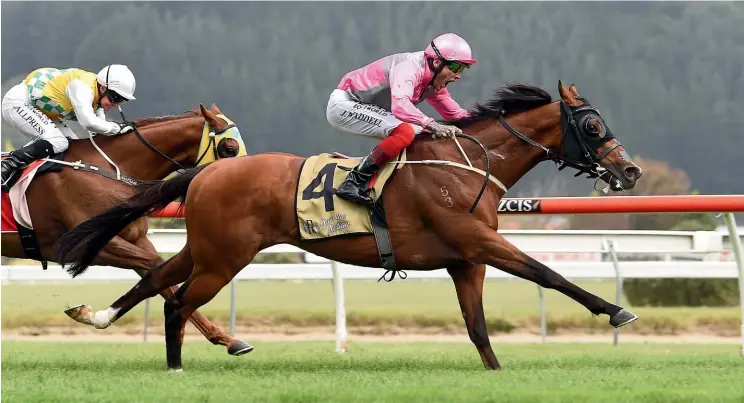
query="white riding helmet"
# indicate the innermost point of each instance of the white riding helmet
(119, 79)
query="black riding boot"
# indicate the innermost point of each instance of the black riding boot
(21, 158)
(354, 188)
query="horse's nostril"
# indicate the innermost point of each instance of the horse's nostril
(632, 172)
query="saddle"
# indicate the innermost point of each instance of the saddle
(45, 168)
(321, 214)
(15, 211)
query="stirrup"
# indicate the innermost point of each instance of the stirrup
(356, 198)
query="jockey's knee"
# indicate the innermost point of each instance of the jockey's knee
(332, 114)
(59, 143)
(333, 121)
(333, 117)
(405, 132)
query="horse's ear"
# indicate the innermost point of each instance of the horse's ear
(210, 117)
(203, 110)
(572, 89)
(567, 96)
(216, 110)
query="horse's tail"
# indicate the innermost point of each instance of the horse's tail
(80, 245)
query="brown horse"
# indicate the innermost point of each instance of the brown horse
(59, 201)
(428, 228)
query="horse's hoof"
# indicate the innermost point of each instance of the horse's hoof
(82, 313)
(239, 348)
(76, 310)
(622, 318)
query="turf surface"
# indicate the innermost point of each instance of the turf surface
(371, 372)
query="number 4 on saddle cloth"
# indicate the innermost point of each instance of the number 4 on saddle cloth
(321, 214)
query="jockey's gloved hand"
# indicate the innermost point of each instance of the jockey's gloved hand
(440, 131)
(124, 127)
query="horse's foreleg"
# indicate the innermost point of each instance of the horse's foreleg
(197, 291)
(468, 281)
(496, 251)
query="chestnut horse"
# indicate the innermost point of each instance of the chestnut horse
(235, 208)
(61, 200)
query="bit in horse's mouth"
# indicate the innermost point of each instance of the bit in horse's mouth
(613, 182)
(616, 184)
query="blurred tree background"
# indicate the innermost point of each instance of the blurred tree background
(668, 77)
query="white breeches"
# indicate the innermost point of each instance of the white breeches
(18, 111)
(344, 113)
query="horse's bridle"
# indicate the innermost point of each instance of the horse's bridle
(579, 155)
(212, 142)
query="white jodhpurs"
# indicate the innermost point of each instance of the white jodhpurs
(345, 113)
(19, 113)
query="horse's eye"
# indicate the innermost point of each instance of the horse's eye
(593, 127)
(227, 148)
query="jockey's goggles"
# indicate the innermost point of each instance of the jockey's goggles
(454, 66)
(114, 97)
(457, 67)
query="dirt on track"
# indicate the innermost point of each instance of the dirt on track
(130, 334)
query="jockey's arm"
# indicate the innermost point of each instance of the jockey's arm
(402, 83)
(101, 113)
(446, 106)
(81, 97)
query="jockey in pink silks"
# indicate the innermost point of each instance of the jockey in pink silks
(379, 100)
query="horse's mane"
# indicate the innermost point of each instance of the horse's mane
(158, 119)
(507, 100)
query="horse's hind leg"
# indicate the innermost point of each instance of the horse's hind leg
(496, 251)
(160, 280)
(468, 281)
(165, 281)
(153, 282)
(213, 269)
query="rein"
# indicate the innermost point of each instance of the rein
(488, 167)
(593, 169)
(486, 174)
(212, 142)
(150, 146)
(79, 165)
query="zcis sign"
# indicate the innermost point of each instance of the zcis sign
(520, 205)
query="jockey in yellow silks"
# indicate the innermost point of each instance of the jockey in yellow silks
(39, 104)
